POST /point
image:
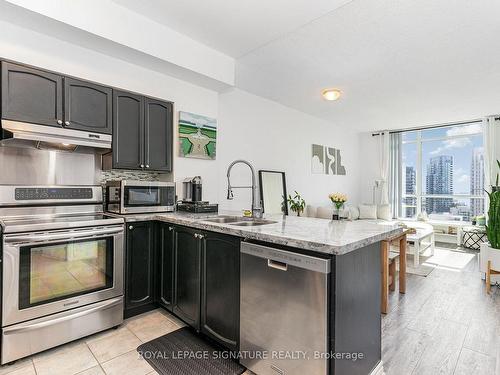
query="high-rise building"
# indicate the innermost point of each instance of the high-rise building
(439, 180)
(477, 181)
(410, 189)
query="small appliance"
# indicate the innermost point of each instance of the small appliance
(192, 189)
(198, 207)
(131, 197)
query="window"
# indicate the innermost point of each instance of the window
(442, 172)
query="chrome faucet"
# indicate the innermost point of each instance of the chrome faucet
(256, 206)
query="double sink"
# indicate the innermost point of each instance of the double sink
(239, 221)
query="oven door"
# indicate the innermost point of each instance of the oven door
(49, 272)
(152, 198)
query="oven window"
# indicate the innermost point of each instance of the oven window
(141, 196)
(53, 272)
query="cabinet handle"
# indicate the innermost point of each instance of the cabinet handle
(147, 165)
(131, 227)
(142, 165)
(200, 236)
(59, 122)
(196, 235)
(170, 228)
(66, 123)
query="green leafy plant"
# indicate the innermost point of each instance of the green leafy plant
(297, 204)
(498, 163)
(493, 227)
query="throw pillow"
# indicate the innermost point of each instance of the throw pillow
(353, 213)
(368, 211)
(384, 212)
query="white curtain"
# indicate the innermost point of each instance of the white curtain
(384, 163)
(491, 141)
(395, 178)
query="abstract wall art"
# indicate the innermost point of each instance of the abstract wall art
(326, 160)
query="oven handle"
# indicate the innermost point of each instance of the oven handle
(61, 236)
(30, 327)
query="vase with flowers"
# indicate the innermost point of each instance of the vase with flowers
(338, 199)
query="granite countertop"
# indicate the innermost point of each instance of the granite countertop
(319, 235)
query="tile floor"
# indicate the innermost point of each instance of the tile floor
(444, 324)
(112, 352)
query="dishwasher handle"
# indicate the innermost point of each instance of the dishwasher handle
(283, 260)
(277, 265)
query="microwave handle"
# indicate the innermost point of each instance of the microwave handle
(61, 236)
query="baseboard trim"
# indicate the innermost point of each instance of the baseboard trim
(379, 369)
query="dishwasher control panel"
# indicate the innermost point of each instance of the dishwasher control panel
(287, 257)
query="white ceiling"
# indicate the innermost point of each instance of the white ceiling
(234, 27)
(399, 63)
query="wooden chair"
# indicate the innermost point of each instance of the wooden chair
(489, 272)
(388, 266)
(393, 257)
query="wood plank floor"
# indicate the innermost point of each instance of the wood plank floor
(444, 324)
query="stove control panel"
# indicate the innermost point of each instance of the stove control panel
(24, 194)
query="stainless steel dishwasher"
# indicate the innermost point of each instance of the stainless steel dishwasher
(284, 311)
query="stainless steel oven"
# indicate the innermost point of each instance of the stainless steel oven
(48, 272)
(126, 196)
(62, 267)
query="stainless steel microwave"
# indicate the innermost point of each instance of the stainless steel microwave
(132, 197)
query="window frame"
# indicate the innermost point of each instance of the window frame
(419, 195)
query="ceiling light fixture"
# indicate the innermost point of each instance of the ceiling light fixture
(331, 94)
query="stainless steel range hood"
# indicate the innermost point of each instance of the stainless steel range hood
(24, 134)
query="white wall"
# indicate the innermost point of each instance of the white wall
(274, 137)
(26, 46)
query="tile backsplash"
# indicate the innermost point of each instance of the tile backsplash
(119, 174)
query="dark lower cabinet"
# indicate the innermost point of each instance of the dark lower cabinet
(140, 264)
(187, 276)
(31, 95)
(166, 265)
(87, 106)
(220, 288)
(192, 273)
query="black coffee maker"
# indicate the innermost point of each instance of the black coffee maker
(192, 200)
(192, 189)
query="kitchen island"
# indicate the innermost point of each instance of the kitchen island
(186, 243)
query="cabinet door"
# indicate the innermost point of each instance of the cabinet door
(87, 106)
(31, 95)
(139, 273)
(220, 285)
(128, 130)
(158, 133)
(187, 276)
(166, 266)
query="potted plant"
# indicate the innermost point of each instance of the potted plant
(297, 204)
(496, 187)
(491, 251)
(338, 199)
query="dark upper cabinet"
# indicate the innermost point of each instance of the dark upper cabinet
(166, 266)
(128, 130)
(220, 288)
(87, 106)
(158, 135)
(142, 133)
(140, 265)
(187, 276)
(31, 95)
